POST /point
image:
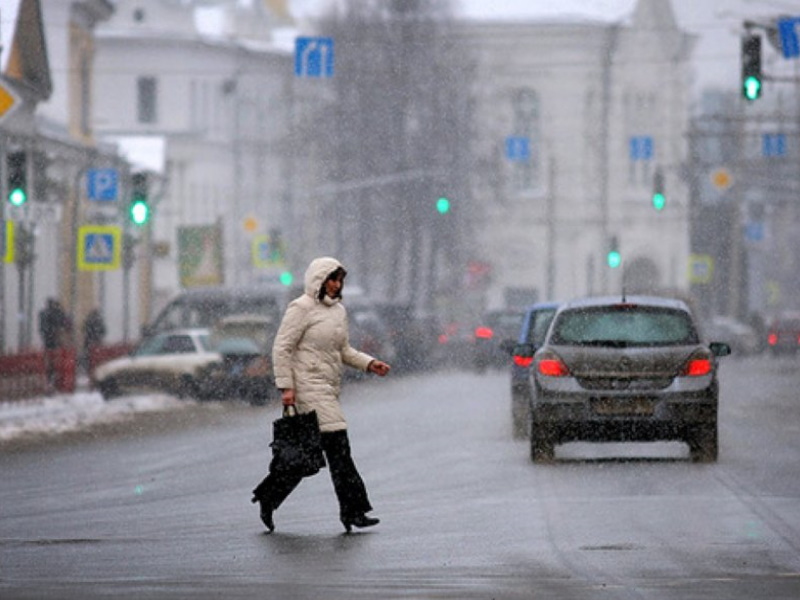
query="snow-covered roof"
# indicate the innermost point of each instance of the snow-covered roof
(146, 152)
(611, 11)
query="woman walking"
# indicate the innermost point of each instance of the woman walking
(310, 348)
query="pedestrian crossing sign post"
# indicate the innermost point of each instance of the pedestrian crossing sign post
(7, 240)
(99, 247)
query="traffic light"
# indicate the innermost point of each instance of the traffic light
(659, 199)
(443, 205)
(17, 170)
(139, 209)
(752, 79)
(613, 258)
(286, 278)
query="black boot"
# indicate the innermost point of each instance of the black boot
(266, 514)
(359, 521)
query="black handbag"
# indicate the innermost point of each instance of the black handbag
(297, 443)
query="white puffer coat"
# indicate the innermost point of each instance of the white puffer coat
(310, 347)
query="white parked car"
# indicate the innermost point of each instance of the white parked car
(171, 362)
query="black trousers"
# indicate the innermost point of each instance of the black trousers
(349, 487)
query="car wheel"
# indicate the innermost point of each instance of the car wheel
(704, 444)
(188, 388)
(109, 389)
(542, 442)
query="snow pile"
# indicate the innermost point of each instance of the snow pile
(58, 414)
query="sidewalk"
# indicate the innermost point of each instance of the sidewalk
(59, 413)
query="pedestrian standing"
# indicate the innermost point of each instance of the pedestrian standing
(54, 328)
(310, 348)
(94, 330)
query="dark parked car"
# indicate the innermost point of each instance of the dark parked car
(616, 369)
(492, 336)
(783, 334)
(530, 335)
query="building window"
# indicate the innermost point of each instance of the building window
(526, 115)
(148, 96)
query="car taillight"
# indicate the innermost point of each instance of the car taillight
(552, 366)
(484, 333)
(443, 338)
(772, 339)
(523, 361)
(697, 366)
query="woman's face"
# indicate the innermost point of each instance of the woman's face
(333, 286)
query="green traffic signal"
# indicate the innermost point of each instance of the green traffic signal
(443, 205)
(752, 88)
(140, 212)
(17, 196)
(286, 278)
(659, 201)
(614, 259)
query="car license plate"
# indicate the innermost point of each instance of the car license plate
(623, 407)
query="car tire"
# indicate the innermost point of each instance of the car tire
(188, 388)
(542, 442)
(109, 389)
(704, 444)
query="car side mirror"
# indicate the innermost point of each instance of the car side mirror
(719, 349)
(524, 350)
(508, 346)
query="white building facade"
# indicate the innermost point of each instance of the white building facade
(601, 107)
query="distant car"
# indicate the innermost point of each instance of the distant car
(530, 336)
(783, 334)
(625, 369)
(170, 362)
(742, 338)
(495, 331)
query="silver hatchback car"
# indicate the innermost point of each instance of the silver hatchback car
(617, 369)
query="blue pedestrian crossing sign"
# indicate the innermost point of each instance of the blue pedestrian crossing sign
(313, 57)
(268, 252)
(99, 247)
(518, 148)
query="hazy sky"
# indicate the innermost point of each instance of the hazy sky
(717, 23)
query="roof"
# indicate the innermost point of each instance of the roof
(23, 47)
(654, 301)
(607, 11)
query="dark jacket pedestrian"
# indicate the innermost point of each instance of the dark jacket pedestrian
(94, 329)
(310, 348)
(54, 325)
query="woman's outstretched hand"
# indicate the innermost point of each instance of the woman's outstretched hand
(378, 367)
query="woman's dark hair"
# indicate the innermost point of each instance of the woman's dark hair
(339, 272)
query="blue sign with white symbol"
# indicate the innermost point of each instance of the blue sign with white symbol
(99, 249)
(101, 184)
(790, 43)
(641, 147)
(773, 144)
(754, 231)
(313, 57)
(518, 148)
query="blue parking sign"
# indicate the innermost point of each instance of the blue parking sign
(518, 148)
(101, 184)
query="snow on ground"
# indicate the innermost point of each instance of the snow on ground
(71, 412)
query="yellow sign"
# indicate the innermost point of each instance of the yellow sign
(268, 252)
(701, 268)
(8, 241)
(99, 247)
(8, 101)
(721, 178)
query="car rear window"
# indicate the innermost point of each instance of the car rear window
(624, 325)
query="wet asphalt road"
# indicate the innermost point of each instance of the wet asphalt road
(159, 507)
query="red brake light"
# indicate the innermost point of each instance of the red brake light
(697, 367)
(552, 367)
(772, 339)
(484, 333)
(523, 361)
(443, 338)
